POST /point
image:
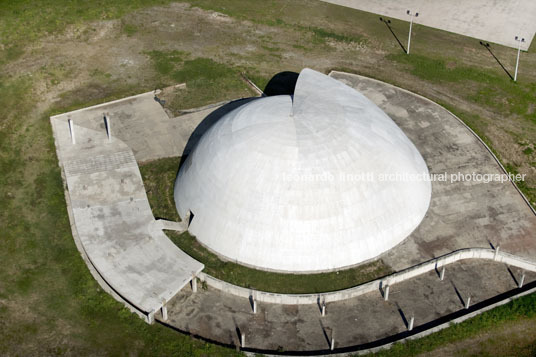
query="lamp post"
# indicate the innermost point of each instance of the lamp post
(410, 26)
(520, 40)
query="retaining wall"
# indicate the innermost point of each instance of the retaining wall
(375, 285)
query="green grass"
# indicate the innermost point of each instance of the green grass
(159, 181)
(522, 308)
(165, 62)
(277, 282)
(130, 30)
(207, 81)
(59, 309)
(24, 22)
(493, 90)
(322, 35)
(260, 80)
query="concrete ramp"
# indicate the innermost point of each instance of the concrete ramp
(113, 221)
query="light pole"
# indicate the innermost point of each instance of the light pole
(520, 40)
(410, 25)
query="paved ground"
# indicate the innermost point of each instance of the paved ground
(367, 318)
(113, 218)
(118, 230)
(143, 125)
(496, 21)
(461, 214)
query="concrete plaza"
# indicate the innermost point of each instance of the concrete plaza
(489, 20)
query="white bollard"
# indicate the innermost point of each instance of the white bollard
(324, 308)
(411, 321)
(71, 130)
(243, 339)
(522, 281)
(386, 293)
(442, 275)
(254, 306)
(194, 284)
(468, 303)
(332, 343)
(496, 252)
(108, 127)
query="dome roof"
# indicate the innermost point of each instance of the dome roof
(294, 183)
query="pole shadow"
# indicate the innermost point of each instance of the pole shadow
(387, 23)
(381, 342)
(382, 288)
(106, 127)
(319, 303)
(238, 334)
(402, 315)
(325, 333)
(458, 293)
(252, 302)
(512, 275)
(488, 47)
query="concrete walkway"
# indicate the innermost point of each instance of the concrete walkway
(113, 220)
(142, 124)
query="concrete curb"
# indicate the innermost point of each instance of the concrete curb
(375, 285)
(107, 103)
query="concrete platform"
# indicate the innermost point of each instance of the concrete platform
(362, 322)
(112, 216)
(461, 214)
(495, 21)
(142, 124)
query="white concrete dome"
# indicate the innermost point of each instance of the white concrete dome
(284, 183)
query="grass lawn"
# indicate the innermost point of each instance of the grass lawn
(275, 282)
(488, 324)
(59, 55)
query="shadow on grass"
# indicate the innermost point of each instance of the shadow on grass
(488, 47)
(387, 23)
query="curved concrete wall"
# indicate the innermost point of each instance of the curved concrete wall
(304, 299)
